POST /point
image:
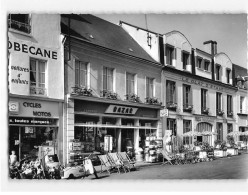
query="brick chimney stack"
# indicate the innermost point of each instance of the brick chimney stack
(210, 47)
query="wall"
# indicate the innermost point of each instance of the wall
(200, 71)
(44, 36)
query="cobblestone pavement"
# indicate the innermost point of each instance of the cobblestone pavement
(235, 167)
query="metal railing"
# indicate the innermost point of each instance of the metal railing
(19, 26)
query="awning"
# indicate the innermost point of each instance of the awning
(112, 126)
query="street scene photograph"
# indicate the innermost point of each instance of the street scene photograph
(102, 97)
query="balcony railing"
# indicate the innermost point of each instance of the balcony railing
(38, 91)
(187, 108)
(19, 26)
(152, 100)
(205, 110)
(229, 113)
(171, 105)
(81, 91)
(220, 112)
(109, 95)
(133, 98)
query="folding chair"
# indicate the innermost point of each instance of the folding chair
(116, 160)
(105, 161)
(126, 160)
(167, 157)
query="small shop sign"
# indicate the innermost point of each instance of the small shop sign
(164, 113)
(114, 109)
(14, 107)
(31, 121)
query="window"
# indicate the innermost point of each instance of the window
(149, 87)
(241, 104)
(229, 105)
(20, 22)
(218, 103)
(171, 94)
(171, 125)
(219, 131)
(108, 79)
(206, 65)
(186, 128)
(204, 101)
(229, 128)
(217, 72)
(37, 77)
(170, 54)
(199, 62)
(130, 83)
(228, 71)
(80, 74)
(187, 97)
(242, 137)
(185, 59)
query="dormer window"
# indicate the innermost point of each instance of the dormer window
(206, 65)
(217, 72)
(228, 72)
(199, 62)
(185, 59)
(20, 22)
(170, 53)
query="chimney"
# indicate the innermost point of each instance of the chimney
(210, 47)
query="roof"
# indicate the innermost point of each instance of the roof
(239, 71)
(103, 33)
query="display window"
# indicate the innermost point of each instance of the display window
(26, 140)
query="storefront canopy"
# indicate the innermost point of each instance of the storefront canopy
(113, 126)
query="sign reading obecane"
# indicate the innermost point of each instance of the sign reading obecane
(24, 48)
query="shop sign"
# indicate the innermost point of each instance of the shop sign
(164, 113)
(31, 108)
(204, 119)
(14, 107)
(114, 109)
(201, 83)
(37, 51)
(31, 121)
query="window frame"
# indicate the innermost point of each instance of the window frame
(241, 104)
(187, 54)
(228, 127)
(148, 81)
(204, 104)
(86, 73)
(219, 102)
(199, 65)
(208, 65)
(172, 125)
(37, 77)
(134, 83)
(229, 105)
(172, 88)
(187, 96)
(218, 73)
(173, 54)
(20, 24)
(228, 78)
(112, 70)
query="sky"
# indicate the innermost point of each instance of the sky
(228, 30)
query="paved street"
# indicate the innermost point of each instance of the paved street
(225, 168)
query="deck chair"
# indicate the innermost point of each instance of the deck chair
(105, 161)
(117, 161)
(126, 160)
(167, 157)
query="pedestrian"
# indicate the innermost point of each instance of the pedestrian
(13, 158)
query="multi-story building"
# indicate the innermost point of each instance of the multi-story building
(111, 86)
(36, 83)
(197, 85)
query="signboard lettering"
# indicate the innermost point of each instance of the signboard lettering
(31, 121)
(32, 50)
(114, 109)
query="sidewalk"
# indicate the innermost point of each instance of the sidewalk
(137, 165)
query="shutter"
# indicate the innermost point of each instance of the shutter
(190, 96)
(184, 96)
(167, 91)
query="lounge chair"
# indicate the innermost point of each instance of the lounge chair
(171, 159)
(126, 160)
(105, 161)
(118, 161)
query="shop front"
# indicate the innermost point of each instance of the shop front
(125, 124)
(34, 126)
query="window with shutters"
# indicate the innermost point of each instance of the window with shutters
(219, 110)
(171, 94)
(108, 79)
(228, 75)
(37, 77)
(81, 74)
(204, 108)
(170, 53)
(187, 98)
(172, 125)
(185, 59)
(149, 87)
(219, 129)
(20, 22)
(199, 62)
(130, 83)
(229, 106)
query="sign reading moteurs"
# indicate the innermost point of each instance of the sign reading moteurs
(114, 109)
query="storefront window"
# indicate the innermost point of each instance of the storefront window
(171, 125)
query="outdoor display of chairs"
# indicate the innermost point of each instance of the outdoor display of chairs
(126, 160)
(118, 162)
(110, 165)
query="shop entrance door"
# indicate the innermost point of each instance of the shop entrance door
(199, 138)
(127, 139)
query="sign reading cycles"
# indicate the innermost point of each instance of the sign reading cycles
(32, 50)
